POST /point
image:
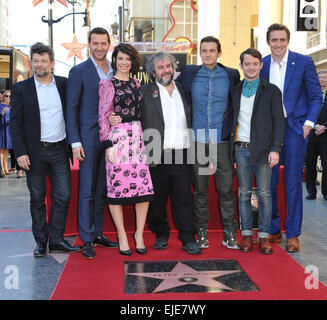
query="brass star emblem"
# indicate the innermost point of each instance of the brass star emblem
(182, 275)
(75, 48)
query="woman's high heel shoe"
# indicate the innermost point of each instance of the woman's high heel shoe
(124, 252)
(139, 250)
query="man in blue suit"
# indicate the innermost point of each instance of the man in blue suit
(296, 77)
(83, 134)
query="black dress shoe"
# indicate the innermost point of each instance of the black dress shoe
(63, 247)
(310, 197)
(88, 250)
(41, 249)
(192, 248)
(161, 244)
(104, 242)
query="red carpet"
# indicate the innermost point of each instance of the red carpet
(278, 276)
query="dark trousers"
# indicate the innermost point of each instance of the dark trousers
(54, 162)
(92, 194)
(173, 180)
(223, 170)
(313, 151)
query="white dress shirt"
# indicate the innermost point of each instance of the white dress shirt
(51, 114)
(176, 131)
(277, 77)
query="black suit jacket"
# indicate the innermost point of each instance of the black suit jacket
(25, 125)
(267, 122)
(152, 115)
(322, 119)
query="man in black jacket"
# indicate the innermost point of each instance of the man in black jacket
(317, 145)
(38, 132)
(256, 139)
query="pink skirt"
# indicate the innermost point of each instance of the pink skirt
(129, 180)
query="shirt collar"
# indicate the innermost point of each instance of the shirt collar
(161, 87)
(98, 67)
(38, 84)
(214, 69)
(284, 61)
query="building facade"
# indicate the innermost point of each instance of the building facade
(5, 23)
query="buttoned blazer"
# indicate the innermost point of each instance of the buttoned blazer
(25, 123)
(83, 105)
(186, 78)
(302, 95)
(267, 121)
(152, 114)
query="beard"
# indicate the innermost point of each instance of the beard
(165, 82)
(41, 73)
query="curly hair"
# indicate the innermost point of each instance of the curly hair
(40, 48)
(131, 52)
(159, 56)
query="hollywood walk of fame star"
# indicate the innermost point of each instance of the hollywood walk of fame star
(36, 2)
(59, 257)
(75, 48)
(182, 275)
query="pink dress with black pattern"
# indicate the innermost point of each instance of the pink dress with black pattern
(129, 180)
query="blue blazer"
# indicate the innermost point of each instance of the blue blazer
(83, 105)
(302, 94)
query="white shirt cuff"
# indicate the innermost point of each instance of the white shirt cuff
(309, 123)
(76, 144)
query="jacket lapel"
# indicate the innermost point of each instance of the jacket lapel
(155, 96)
(265, 72)
(290, 70)
(93, 70)
(31, 92)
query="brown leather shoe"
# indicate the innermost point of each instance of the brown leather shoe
(246, 244)
(276, 237)
(264, 246)
(292, 245)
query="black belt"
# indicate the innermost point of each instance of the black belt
(53, 144)
(243, 144)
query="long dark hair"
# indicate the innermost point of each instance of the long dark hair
(131, 52)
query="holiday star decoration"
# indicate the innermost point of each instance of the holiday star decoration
(36, 2)
(75, 48)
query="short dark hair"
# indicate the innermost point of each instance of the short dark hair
(211, 39)
(40, 48)
(252, 52)
(278, 27)
(131, 52)
(99, 30)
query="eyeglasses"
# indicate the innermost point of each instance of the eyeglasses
(7, 95)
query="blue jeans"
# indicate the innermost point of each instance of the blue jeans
(245, 172)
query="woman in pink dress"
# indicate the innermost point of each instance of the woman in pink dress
(128, 176)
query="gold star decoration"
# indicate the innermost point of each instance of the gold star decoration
(75, 48)
(36, 2)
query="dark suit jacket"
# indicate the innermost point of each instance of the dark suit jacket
(83, 105)
(186, 78)
(322, 119)
(152, 115)
(25, 125)
(267, 122)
